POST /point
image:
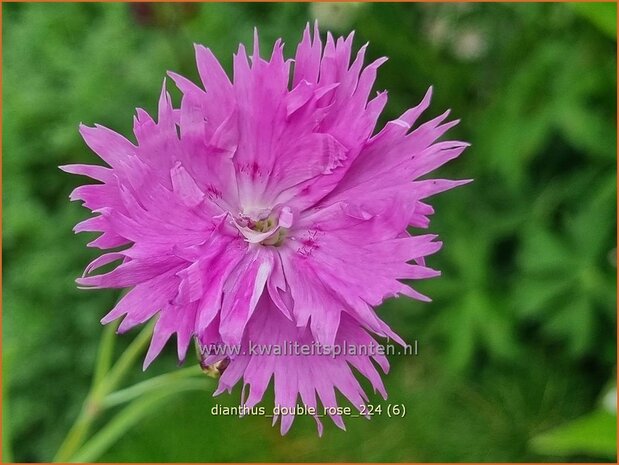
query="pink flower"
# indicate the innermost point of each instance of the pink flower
(266, 211)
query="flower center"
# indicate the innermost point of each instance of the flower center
(265, 227)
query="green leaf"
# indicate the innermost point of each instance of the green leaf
(594, 435)
(602, 15)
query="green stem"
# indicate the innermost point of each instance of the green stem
(104, 381)
(77, 433)
(124, 363)
(128, 417)
(137, 390)
(80, 428)
(106, 352)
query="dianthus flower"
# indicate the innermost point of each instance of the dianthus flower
(264, 210)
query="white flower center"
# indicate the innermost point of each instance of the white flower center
(265, 227)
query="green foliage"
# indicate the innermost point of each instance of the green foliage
(571, 287)
(593, 434)
(603, 15)
(520, 338)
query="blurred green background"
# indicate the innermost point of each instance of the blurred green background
(517, 352)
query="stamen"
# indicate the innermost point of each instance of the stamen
(269, 229)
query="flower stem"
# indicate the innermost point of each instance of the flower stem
(145, 387)
(106, 352)
(128, 417)
(104, 381)
(124, 363)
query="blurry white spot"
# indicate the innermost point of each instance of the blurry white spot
(609, 401)
(437, 31)
(470, 45)
(335, 15)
